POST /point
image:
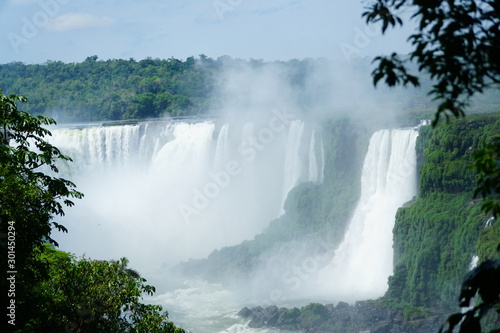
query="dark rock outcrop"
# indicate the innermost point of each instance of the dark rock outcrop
(365, 317)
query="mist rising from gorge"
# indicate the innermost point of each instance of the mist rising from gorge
(163, 192)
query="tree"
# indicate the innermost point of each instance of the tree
(83, 295)
(482, 281)
(70, 295)
(487, 165)
(29, 198)
(457, 44)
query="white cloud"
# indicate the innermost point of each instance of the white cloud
(74, 21)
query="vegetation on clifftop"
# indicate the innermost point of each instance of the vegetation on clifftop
(436, 237)
(120, 89)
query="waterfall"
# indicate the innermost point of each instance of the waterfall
(161, 192)
(293, 167)
(363, 261)
(475, 259)
(222, 149)
(293, 163)
(473, 262)
(316, 160)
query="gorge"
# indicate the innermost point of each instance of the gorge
(296, 211)
(155, 190)
(182, 181)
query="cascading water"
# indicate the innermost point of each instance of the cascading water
(163, 192)
(222, 148)
(304, 160)
(313, 163)
(475, 259)
(363, 261)
(293, 165)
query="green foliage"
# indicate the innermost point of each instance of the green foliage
(489, 238)
(415, 312)
(70, 295)
(450, 151)
(436, 236)
(432, 242)
(314, 313)
(487, 166)
(290, 315)
(456, 43)
(82, 295)
(29, 198)
(118, 89)
(113, 89)
(482, 280)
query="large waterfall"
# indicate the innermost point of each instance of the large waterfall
(364, 260)
(165, 191)
(161, 192)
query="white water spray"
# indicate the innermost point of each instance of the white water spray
(363, 261)
(163, 192)
(293, 165)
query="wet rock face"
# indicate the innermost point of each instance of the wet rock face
(366, 317)
(245, 312)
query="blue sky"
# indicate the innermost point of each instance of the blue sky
(34, 31)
